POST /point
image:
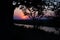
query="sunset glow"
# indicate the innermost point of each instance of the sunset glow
(19, 13)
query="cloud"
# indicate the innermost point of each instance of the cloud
(14, 3)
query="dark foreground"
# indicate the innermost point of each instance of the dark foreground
(30, 34)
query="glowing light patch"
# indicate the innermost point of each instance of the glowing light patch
(20, 14)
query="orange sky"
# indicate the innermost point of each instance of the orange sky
(19, 13)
